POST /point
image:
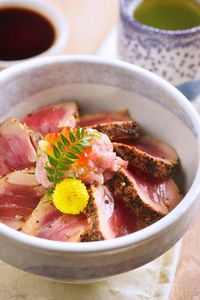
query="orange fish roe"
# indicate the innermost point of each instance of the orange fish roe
(66, 131)
(53, 138)
(83, 158)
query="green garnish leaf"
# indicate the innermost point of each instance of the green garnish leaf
(67, 161)
(52, 161)
(82, 133)
(72, 137)
(50, 191)
(49, 170)
(65, 140)
(75, 150)
(80, 146)
(62, 167)
(60, 146)
(65, 153)
(56, 152)
(59, 174)
(78, 133)
(72, 155)
(50, 178)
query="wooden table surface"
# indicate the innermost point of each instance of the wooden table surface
(90, 21)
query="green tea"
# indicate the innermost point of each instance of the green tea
(168, 14)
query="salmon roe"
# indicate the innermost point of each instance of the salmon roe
(53, 138)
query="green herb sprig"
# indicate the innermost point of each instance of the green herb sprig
(65, 154)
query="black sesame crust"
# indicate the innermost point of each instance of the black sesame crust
(158, 167)
(93, 232)
(122, 186)
(119, 130)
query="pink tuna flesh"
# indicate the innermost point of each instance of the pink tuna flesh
(53, 118)
(49, 223)
(103, 117)
(64, 228)
(17, 147)
(19, 195)
(114, 219)
(161, 195)
(153, 147)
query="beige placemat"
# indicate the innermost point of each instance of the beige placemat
(152, 281)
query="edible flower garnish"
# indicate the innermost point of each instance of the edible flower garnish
(64, 151)
(70, 196)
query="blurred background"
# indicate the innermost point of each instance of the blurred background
(89, 22)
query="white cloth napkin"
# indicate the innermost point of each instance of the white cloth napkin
(152, 281)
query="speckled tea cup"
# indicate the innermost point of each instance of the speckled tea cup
(174, 55)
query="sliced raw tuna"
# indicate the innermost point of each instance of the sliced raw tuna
(119, 130)
(91, 120)
(19, 195)
(149, 155)
(15, 224)
(53, 118)
(44, 209)
(107, 217)
(18, 146)
(68, 228)
(148, 198)
(48, 223)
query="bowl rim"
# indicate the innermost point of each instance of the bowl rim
(140, 236)
(136, 24)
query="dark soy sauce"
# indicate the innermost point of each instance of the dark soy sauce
(24, 33)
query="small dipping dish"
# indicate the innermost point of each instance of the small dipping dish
(30, 29)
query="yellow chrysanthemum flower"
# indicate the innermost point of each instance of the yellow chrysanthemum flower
(70, 196)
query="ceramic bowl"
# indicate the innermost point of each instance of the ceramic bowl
(51, 13)
(100, 85)
(173, 55)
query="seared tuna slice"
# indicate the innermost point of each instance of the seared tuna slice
(148, 198)
(48, 223)
(66, 228)
(91, 120)
(33, 223)
(19, 195)
(53, 118)
(149, 155)
(107, 217)
(119, 130)
(18, 145)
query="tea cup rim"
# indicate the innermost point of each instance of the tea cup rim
(134, 23)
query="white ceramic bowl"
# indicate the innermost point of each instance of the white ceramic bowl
(104, 85)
